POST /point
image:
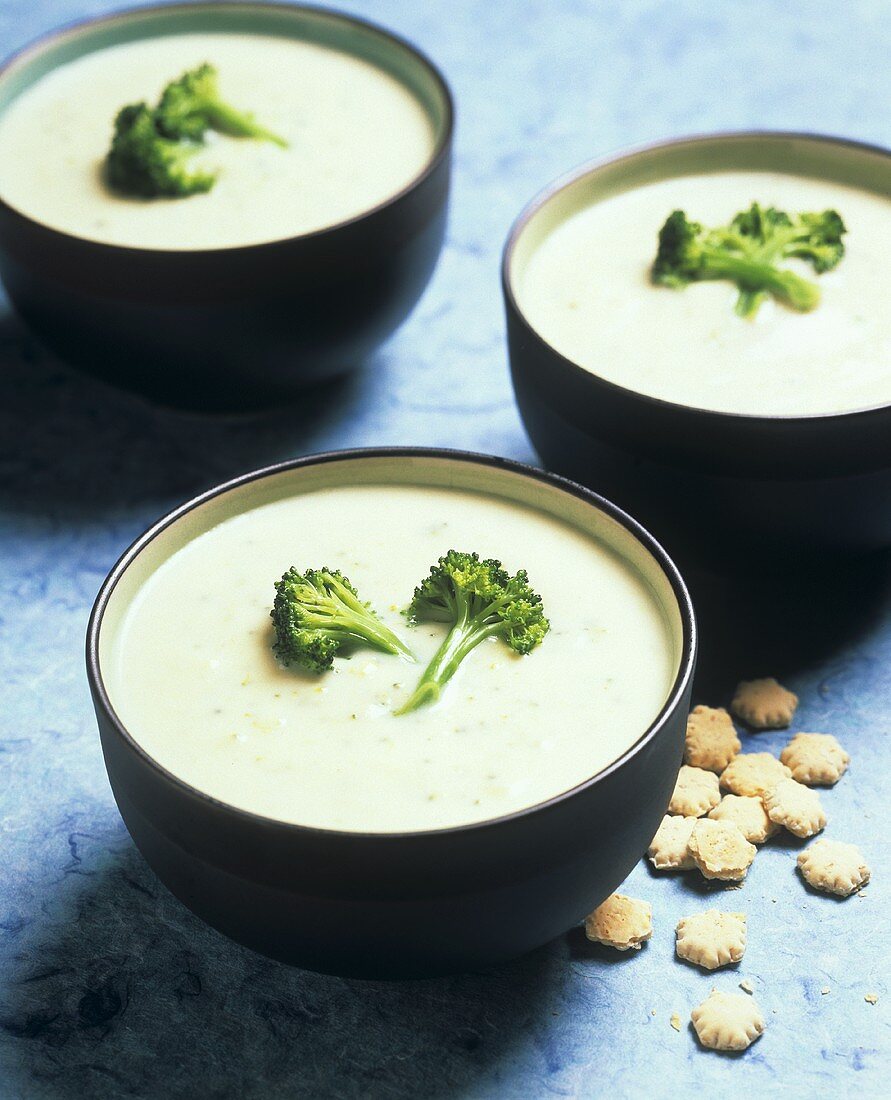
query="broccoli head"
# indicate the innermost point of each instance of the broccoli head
(151, 147)
(144, 163)
(747, 251)
(317, 613)
(479, 599)
(813, 237)
(191, 105)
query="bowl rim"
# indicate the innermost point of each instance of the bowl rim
(73, 29)
(675, 695)
(631, 153)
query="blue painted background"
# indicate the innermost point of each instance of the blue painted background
(108, 988)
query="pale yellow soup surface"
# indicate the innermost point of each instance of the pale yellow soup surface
(587, 290)
(194, 680)
(356, 137)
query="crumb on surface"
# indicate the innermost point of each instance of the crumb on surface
(871, 998)
(675, 1021)
(746, 986)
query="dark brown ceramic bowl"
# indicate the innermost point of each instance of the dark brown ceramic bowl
(396, 904)
(231, 328)
(709, 483)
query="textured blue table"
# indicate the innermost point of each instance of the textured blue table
(108, 988)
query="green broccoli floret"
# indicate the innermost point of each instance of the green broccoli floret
(318, 612)
(479, 600)
(143, 162)
(747, 251)
(191, 105)
(151, 148)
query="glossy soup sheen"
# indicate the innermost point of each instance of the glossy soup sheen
(193, 678)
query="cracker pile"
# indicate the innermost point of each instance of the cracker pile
(725, 803)
(763, 794)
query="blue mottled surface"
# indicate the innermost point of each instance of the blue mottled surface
(108, 988)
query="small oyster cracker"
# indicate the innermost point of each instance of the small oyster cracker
(711, 939)
(620, 922)
(833, 867)
(815, 759)
(753, 773)
(668, 849)
(727, 1021)
(795, 807)
(764, 704)
(695, 792)
(747, 812)
(720, 850)
(711, 740)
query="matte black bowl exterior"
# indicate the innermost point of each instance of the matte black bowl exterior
(229, 328)
(709, 483)
(400, 904)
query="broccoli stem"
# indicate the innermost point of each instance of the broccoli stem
(227, 120)
(749, 302)
(355, 629)
(467, 633)
(358, 622)
(757, 278)
(376, 634)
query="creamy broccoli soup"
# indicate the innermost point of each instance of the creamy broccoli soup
(191, 673)
(355, 134)
(586, 289)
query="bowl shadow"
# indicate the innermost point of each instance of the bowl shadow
(72, 446)
(780, 620)
(127, 993)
